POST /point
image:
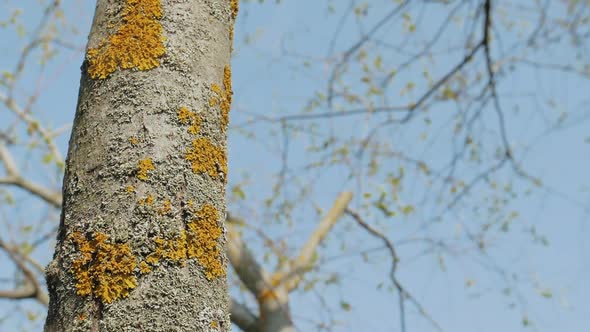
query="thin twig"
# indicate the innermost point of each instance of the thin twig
(403, 294)
(32, 288)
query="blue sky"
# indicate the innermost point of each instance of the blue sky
(271, 80)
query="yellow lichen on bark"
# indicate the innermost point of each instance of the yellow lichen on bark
(184, 115)
(228, 96)
(172, 250)
(231, 36)
(189, 117)
(204, 233)
(166, 207)
(103, 269)
(106, 270)
(144, 268)
(207, 158)
(138, 43)
(198, 241)
(223, 97)
(234, 5)
(143, 167)
(148, 200)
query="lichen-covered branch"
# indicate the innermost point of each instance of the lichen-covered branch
(141, 242)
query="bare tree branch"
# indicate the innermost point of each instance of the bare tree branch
(272, 298)
(31, 289)
(45, 134)
(14, 178)
(403, 294)
(8, 161)
(268, 241)
(250, 272)
(242, 316)
(305, 259)
(487, 27)
(351, 50)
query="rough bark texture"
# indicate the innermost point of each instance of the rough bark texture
(141, 241)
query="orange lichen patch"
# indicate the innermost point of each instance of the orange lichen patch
(148, 200)
(266, 295)
(234, 5)
(152, 259)
(144, 166)
(144, 268)
(184, 115)
(133, 140)
(172, 250)
(214, 324)
(231, 36)
(194, 129)
(227, 81)
(166, 207)
(130, 189)
(199, 241)
(189, 117)
(103, 269)
(203, 234)
(138, 43)
(207, 158)
(223, 97)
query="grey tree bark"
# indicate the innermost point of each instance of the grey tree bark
(141, 242)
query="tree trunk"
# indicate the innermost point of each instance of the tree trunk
(141, 242)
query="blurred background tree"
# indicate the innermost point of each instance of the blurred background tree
(460, 127)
